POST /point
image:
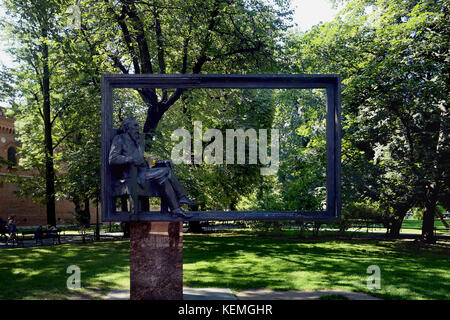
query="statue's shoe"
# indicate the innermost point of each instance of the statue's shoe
(186, 200)
(180, 213)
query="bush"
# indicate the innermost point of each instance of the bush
(357, 214)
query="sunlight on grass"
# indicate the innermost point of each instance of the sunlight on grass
(237, 261)
(291, 264)
(41, 272)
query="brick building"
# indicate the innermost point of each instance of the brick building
(27, 212)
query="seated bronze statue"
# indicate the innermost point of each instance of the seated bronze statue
(126, 152)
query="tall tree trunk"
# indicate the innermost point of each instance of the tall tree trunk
(87, 213)
(195, 226)
(49, 165)
(77, 205)
(428, 222)
(396, 226)
(97, 222)
(316, 228)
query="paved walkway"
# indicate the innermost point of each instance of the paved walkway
(258, 294)
(266, 294)
(188, 294)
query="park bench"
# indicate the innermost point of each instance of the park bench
(55, 235)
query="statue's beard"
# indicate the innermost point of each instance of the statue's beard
(134, 136)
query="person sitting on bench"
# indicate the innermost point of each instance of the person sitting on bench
(38, 234)
(52, 231)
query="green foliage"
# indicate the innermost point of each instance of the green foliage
(361, 212)
(32, 28)
(217, 109)
(393, 59)
(186, 36)
(417, 213)
(301, 119)
(3, 162)
(73, 117)
(440, 209)
(358, 214)
(141, 37)
(6, 79)
(82, 217)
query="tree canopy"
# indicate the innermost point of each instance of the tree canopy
(393, 57)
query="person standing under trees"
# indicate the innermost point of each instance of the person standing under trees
(12, 230)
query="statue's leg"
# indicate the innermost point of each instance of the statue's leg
(180, 191)
(169, 196)
(144, 203)
(123, 203)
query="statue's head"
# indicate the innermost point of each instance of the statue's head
(130, 126)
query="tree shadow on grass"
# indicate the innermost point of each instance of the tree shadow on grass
(290, 264)
(238, 262)
(41, 272)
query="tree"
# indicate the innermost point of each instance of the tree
(130, 37)
(6, 79)
(33, 25)
(301, 117)
(186, 37)
(79, 153)
(56, 103)
(393, 58)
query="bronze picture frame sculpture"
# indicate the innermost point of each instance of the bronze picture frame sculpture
(111, 190)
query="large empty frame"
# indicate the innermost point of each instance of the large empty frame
(266, 81)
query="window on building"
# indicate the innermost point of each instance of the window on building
(12, 157)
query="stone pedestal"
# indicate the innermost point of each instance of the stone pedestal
(156, 261)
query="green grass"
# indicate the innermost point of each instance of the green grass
(40, 272)
(237, 261)
(408, 271)
(411, 226)
(417, 224)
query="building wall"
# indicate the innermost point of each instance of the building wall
(27, 212)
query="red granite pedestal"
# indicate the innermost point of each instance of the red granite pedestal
(156, 261)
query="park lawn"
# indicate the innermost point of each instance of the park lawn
(236, 260)
(403, 231)
(417, 224)
(40, 272)
(411, 226)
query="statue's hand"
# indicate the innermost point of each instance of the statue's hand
(130, 160)
(151, 162)
(164, 163)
